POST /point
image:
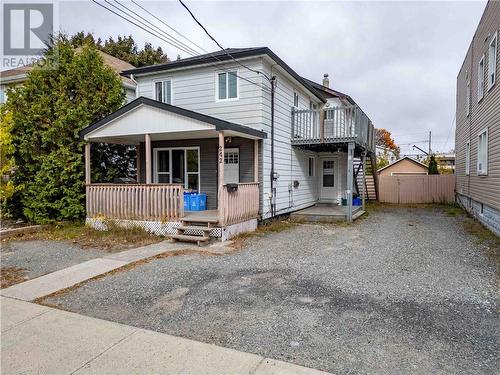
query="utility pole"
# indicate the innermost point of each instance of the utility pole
(430, 138)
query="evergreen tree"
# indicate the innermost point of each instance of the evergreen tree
(433, 166)
(48, 112)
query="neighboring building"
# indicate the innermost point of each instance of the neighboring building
(385, 152)
(446, 162)
(206, 122)
(404, 166)
(477, 140)
(16, 76)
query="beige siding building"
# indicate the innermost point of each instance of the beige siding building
(477, 141)
(403, 166)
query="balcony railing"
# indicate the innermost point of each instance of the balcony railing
(332, 125)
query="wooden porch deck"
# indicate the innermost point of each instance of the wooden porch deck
(326, 213)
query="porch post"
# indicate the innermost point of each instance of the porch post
(256, 160)
(87, 164)
(363, 160)
(220, 161)
(147, 138)
(350, 157)
(138, 162)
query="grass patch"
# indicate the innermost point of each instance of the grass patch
(484, 237)
(115, 238)
(268, 226)
(11, 275)
(453, 210)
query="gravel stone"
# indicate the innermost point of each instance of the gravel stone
(405, 290)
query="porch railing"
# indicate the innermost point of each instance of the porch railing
(135, 201)
(240, 205)
(332, 125)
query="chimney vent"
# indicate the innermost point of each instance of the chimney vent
(326, 81)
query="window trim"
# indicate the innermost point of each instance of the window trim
(227, 99)
(494, 40)
(484, 170)
(170, 149)
(480, 82)
(163, 80)
(467, 157)
(309, 174)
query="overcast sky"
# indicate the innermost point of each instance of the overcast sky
(398, 60)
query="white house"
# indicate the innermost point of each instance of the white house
(238, 116)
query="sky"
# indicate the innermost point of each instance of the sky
(398, 60)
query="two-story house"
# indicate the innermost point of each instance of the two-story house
(477, 139)
(240, 126)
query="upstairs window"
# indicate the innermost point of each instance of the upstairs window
(296, 100)
(3, 96)
(467, 158)
(480, 79)
(227, 85)
(482, 153)
(163, 91)
(492, 61)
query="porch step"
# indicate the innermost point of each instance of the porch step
(195, 227)
(188, 221)
(187, 238)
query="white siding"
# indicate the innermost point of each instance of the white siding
(194, 89)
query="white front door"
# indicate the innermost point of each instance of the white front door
(231, 166)
(328, 182)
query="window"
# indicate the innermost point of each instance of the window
(163, 91)
(177, 165)
(328, 173)
(480, 79)
(482, 153)
(227, 85)
(311, 167)
(296, 100)
(492, 61)
(3, 97)
(467, 158)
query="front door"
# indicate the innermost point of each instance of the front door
(328, 181)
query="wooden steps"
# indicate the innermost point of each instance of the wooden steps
(200, 227)
(371, 192)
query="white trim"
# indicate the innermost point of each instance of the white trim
(163, 80)
(295, 93)
(170, 149)
(227, 71)
(484, 170)
(494, 40)
(411, 173)
(480, 79)
(467, 96)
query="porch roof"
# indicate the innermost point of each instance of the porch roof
(147, 116)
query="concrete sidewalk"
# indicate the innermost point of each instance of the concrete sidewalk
(42, 340)
(68, 277)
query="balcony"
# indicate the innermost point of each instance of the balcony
(333, 125)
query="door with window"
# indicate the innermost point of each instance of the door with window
(177, 166)
(328, 182)
(231, 166)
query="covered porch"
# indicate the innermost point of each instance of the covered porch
(178, 151)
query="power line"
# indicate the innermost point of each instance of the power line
(146, 28)
(218, 44)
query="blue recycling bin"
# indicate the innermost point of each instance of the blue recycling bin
(356, 202)
(187, 201)
(198, 202)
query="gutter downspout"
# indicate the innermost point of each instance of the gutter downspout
(273, 179)
(136, 86)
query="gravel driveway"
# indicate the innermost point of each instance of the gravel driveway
(402, 291)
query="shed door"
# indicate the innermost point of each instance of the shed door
(231, 165)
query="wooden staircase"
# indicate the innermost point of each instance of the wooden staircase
(371, 183)
(195, 230)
